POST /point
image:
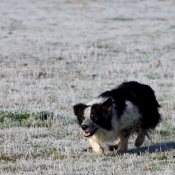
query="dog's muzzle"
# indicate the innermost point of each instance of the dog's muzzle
(86, 131)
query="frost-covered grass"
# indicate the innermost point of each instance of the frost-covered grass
(54, 54)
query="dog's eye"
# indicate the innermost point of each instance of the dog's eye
(93, 117)
(83, 117)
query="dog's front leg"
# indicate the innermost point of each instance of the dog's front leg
(96, 147)
(123, 140)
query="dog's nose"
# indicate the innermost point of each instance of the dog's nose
(84, 127)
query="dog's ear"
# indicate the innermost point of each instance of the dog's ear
(79, 107)
(106, 105)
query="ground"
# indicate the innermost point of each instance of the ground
(54, 54)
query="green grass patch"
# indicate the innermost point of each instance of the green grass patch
(7, 158)
(24, 118)
(164, 133)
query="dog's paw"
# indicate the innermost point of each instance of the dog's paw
(139, 141)
(87, 149)
(117, 153)
(101, 152)
(120, 152)
(112, 147)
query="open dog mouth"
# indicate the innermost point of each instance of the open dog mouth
(89, 134)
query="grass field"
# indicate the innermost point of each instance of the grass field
(55, 53)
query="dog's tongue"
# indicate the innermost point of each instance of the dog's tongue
(86, 134)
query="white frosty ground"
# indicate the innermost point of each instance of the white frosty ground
(54, 54)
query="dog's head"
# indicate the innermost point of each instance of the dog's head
(95, 116)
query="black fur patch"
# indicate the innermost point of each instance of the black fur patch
(139, 94)
(101, 117)
(78, 111)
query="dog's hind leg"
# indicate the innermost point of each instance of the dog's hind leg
(96, 147)
(141, 137)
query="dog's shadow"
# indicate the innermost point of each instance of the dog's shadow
(162, 147)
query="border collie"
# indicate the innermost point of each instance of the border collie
(131, 108)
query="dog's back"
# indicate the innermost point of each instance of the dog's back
(140, 95)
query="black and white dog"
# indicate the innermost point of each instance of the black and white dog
(115, 115)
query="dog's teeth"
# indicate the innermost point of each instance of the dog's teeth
(86, 133)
